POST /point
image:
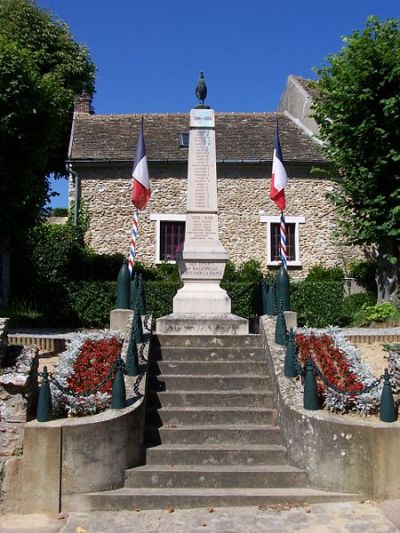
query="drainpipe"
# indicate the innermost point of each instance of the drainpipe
(74, 174)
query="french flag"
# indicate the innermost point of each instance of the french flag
(141, 182)
(279, 177)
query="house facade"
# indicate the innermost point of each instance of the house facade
(101, 154)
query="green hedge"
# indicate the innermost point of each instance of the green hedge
(159, 296)
(318, 303)
(90, 302)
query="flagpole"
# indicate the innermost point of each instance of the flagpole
(283, 241)
(140, 192)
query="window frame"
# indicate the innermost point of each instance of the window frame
(275, 219)
(158, 218)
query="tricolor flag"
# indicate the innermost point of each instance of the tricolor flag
(279, 177)
(141, 183)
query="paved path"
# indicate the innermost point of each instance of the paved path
(365, 517)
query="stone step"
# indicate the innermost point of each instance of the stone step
(176, 382)
(213, 434)
(216, 454)
(232, 368)
(156, 498)
(215, 476)
(195, 353)
(209, 398)
(182, 416)
(207, 341)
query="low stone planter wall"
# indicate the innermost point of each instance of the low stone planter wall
(18, 394)
(77, 455)
(340, 452)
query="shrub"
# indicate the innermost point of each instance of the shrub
(364, 274)
(318, 304)
(321, 273)
(159, 296)
(354, 303)
(99, 267)
(90, 302)
(244, 297)
(371, 314)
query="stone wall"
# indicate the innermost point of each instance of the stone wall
(242, 199)
(3, 338)
(18, 395)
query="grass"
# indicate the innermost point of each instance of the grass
(22, 314)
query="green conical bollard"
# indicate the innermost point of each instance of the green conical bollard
(44, 408)
(137, 328)
(134, 292)
(118, 395)
(264, 297)
(283, 288)
(132, 358)
(290, 368)
(123, 287)
(142, 296)
(280, 328)
(387, 410)
(310, 400)
(272, 308)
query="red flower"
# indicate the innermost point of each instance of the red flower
(93, 363)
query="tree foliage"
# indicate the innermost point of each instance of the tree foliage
(42, 68)
(358, 110)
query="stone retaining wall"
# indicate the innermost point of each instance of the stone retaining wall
(242, 198)
(76, 455)
(18, 394)
(3, 338)
(343, 453)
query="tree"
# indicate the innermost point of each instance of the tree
(42, 68)
(358, 110)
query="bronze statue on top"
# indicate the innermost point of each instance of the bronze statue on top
(201, 92)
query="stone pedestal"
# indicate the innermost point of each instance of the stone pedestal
(119, 319)
(202, 306)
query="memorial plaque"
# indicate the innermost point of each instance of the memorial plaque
(202, 187)
(203, 270)
(201, 227)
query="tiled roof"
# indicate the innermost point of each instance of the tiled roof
(239, 136)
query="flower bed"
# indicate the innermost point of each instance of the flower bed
(84, 367)
(340, 362)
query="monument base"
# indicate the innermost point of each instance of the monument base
(201, 297)
(206, 324)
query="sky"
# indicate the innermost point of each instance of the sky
(149, 53)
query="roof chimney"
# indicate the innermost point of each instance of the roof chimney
(83, 104)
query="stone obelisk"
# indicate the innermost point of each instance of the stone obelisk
(201, 306)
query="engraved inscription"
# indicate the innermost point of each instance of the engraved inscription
(202, 227)
(203, 270)
(202, 183)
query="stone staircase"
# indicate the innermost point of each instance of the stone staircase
(211, 432)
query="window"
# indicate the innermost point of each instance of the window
(170, 235)
(275, 241)
(292, 236)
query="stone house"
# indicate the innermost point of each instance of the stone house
(101, 153)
